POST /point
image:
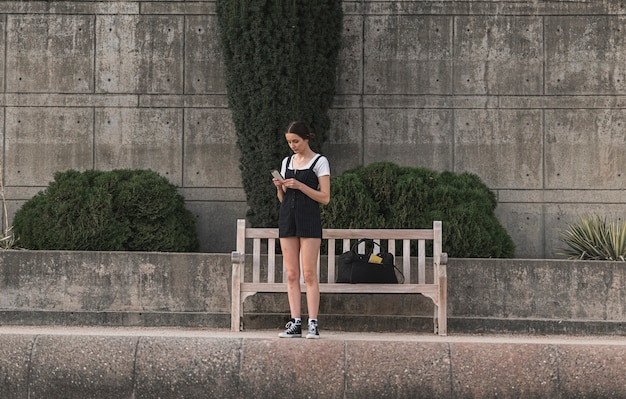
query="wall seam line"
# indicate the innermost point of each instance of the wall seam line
(30, 365)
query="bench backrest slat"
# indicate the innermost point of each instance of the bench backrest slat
(331, 260)
(406, 260)
(261, 232)
(421, 262)
(271, 260)
(256, 260)
(383, 234)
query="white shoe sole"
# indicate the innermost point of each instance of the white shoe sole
(281, 335)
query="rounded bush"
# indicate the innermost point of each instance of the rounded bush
(118, 210)
(384, 195)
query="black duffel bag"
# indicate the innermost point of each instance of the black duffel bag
(368, 268)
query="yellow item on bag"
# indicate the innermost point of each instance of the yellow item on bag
(375, 259)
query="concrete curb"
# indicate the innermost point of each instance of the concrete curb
(175, 363)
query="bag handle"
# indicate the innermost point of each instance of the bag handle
(398, 271)
(367, 241)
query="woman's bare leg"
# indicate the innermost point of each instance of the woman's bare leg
(291, 257)
(309, 248)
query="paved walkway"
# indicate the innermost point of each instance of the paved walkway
(325, 335)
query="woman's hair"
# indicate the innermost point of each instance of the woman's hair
(301, 129)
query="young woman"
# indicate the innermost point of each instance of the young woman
(306, 184)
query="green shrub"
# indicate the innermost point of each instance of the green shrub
(594, 238)
(119, 210)
(384, 195)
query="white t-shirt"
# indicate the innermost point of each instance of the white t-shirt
(322, 167)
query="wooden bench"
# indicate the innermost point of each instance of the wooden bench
(265, 240)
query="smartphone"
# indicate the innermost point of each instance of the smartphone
(277, 175)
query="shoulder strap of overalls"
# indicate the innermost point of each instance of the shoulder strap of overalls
(314, 162)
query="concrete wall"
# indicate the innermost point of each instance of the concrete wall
(193, 290)
(528, 95)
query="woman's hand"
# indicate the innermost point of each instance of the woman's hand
(277, 183)
(293, 184)
(321, 195)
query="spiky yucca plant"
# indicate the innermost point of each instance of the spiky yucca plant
(594, 238)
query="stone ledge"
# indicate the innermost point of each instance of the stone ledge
(236, 365)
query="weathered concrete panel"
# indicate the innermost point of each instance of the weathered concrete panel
(524, 223)
(174, 7)
(344, 147)
(69, 7)
(584, 149)
(483, 370)
(407, 54)
(114, 282)
(503, 147)
(211, 149)
(14, 362)
(42, 141)
(187, 367)
(585, 55)
(59, 282)
(498, 55)
(82, 367)
(139, 54)
(499, 292)
(214, 223)
(554, 290)
(391, 370)
(350, 67)
(304, 369)
(41, 49)
(409, 137)
(138, 138)
(69, 100)
(184, 285)
(591, 372)
(204, 67)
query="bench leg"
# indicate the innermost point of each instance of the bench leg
(443, 302)
(235, 299)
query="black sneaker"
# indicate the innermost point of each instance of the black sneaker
(293, 329)
(313, 330)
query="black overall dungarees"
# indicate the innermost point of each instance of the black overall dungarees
(299, 214)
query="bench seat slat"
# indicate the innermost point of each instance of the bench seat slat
(347, 288)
